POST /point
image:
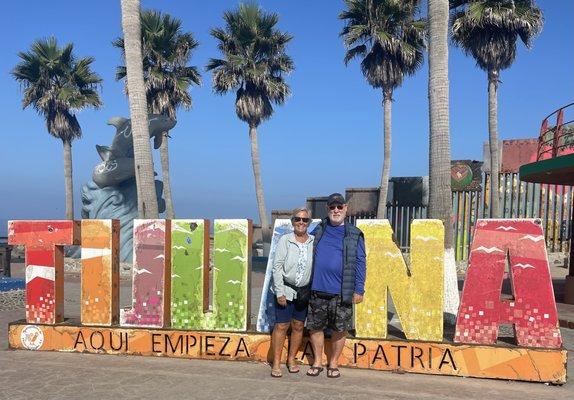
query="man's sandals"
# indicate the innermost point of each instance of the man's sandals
(314, 371)
(333, 372)
(276, 373)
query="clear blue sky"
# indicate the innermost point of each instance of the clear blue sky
(327, 137)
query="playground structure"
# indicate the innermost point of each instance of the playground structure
(554, 165)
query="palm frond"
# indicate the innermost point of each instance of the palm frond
(57, 84)
(166, 53)
(253, 62)
(489, 29)
(387, 38)
(357, 51)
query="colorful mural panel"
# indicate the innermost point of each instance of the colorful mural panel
(100, 272)
(151, 277)
(231, 268)
(465, 175)
(190, 274)
(387, 355)
(417, 291)
(266, 314)
(520, 243)
(44, 241)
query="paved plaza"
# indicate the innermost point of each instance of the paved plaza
(47, 375)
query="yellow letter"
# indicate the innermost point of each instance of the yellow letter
(417, 292)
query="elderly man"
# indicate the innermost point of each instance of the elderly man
(339, 273)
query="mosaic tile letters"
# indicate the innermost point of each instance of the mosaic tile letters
(266, 315)
(231, 270)
(100, 272)
(189, 272)
(230, 274)
(417, 292)
(533, 309)
(151, 274)
(44, 241)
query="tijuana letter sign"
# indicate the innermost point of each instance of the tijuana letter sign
(170, 315)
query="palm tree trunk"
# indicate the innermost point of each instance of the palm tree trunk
(147, 197)
(440, 195)
(493, 143)
(440, 201)
(68, 178)
(164, 156)
(258, 184)
(387, 106)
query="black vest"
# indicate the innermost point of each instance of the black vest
(350, 245)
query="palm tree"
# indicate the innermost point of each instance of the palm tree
(147, 200)
(253, 65)
(440, 195)
(390, 42)
(488, 30)
(166, 53)
(57, 84)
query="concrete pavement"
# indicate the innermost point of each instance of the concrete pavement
(28, 375)
(44, 375)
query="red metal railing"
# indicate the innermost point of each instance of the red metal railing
(558, 139)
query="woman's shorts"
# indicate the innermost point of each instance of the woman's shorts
(289, 312)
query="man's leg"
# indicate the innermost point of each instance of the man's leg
(317, 343)
(317, 321)
(337, 345)
(278, 339)
(343, 315)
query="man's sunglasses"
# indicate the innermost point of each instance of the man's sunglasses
(299, 219)
(338, 207)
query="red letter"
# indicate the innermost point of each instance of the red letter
(44, 241)
(533, 310)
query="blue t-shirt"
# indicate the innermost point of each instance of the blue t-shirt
(328, 262)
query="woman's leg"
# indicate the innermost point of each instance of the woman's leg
(295, 341)
(278, 339)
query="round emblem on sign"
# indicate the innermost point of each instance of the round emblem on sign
(32, 337)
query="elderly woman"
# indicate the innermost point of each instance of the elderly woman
(291, 278)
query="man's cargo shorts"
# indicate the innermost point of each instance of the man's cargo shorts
(327, 311)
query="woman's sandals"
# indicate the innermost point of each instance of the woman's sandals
(293, 368)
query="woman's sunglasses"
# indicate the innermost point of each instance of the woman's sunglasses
(299, 219)
(338, 207)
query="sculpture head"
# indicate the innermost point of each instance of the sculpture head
(117, 164)
(157, 125)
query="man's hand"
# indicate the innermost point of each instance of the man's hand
(282, 301)
(357, 298)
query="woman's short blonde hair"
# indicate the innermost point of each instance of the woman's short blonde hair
(301, 209)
